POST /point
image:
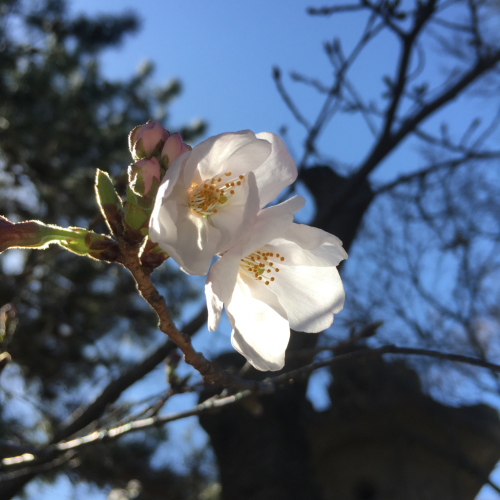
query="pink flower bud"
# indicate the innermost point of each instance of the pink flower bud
(141, 175)
(145, 139)
(173, 148)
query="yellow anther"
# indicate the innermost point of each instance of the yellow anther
(227, 174)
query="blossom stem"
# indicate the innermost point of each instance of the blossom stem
(210, 372)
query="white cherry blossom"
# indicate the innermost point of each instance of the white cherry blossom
(211, 195)
(282, 275)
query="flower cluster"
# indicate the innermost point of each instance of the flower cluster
(271, 274)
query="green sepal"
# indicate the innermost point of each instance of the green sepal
(139, 152)
(131, 138)
(144, 202)
(151, 195)
(137, 185)
(135, 216)
(164, 163)
(109, 202)
(105, 191)
(131, 196)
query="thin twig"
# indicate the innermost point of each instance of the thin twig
(268, 386)
(210, 372)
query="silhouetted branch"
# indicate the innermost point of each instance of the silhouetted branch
(328, 11)
(268, 386)
(387, 144)
(288, 100)
(84, 416)
(419, 174)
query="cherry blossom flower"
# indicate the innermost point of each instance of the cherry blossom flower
(282, 275)
(211, 195)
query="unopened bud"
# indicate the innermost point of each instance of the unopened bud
(173, 148)
(146, 140)
(144, 177)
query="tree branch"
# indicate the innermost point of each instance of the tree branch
(384, 146)
(84, 416)
(268, 386)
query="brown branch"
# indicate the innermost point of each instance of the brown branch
(288, 100)
(210, 372)
(42, 455)
(420, 174)
(84, 416)
(380, 351)
(268, 386)
(423, 14)
(328, 11)
(367, 331)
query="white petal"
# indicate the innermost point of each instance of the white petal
(308, 246)
(260, 328)
(170, 180)
(219, 287)
(236, 217)
(238, 153)
(308, 285)
(189, 239)
(270, 223)
(162, 226)
(277, 172)
(309, 295)
(196, 244)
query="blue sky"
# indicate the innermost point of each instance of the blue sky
(224, 52)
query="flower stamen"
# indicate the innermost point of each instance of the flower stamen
(258, 263)
(207, 197)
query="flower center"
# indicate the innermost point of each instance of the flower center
(260, 265)
(213, 193)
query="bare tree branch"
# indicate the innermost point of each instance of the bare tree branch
(385, 145)
(328, 11)
(84, 416)
(49, 454)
